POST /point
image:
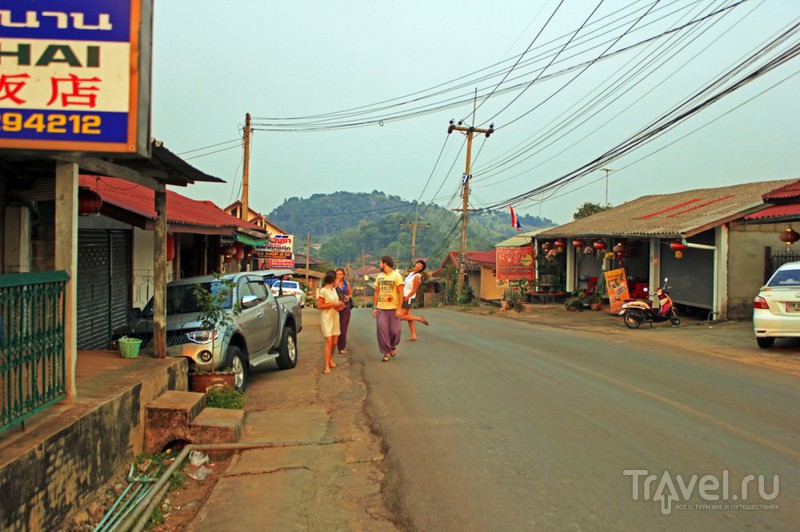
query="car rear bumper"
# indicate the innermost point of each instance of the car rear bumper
(766, 324)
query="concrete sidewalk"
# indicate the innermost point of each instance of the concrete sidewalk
(324, 471)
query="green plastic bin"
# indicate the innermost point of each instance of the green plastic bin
(129, 347)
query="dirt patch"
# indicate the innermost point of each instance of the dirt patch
(178, 508)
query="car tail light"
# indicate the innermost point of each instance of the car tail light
(760, 302)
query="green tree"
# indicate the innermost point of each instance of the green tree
(588, 209)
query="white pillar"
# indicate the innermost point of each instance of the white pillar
(655, 265)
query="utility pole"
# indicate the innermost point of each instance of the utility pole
(469, 131)
(414, 236)
(308, 254)
(246, 170)
(607, 171)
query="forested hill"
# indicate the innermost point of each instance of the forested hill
(348, 225)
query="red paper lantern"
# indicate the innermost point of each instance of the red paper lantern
(599, 245)
(170, 247)
(559, 244)
(89, 202)
(678, 247)
(619, 249)
(546, 246)
(577, 243)
(238, 251)
(789, 237)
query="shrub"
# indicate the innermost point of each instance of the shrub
(225, 397)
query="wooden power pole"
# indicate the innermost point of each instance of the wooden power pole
(469, 131)
(246, 171)
(414, 227)
(308, 254)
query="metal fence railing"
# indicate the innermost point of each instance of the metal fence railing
(32, 348)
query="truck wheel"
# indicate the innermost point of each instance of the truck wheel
(287, 353)
(236, 361)
(633, 319)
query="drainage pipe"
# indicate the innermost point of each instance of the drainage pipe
(145, 507)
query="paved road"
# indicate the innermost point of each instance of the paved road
(492, 424)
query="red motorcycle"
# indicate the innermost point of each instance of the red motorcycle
(634, 313)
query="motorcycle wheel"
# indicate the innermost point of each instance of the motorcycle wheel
(673, 318)
(633, 319)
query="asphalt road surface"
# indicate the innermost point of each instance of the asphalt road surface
(492, 424)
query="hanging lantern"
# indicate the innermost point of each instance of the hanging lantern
(227, 259)
(89, 202)
(238, 251)
(560, 245)
(599, 245)
(678, 247)
(248, 250)
(546, 246)
(619, 249)
(789, 237)
(170, 247)
(577, 243)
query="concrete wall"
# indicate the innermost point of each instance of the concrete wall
(746, 264)
(489, 288)
(44, 483)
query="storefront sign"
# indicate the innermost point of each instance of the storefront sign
(278, 253)
(514, 263)
(75, 75)
(617, 286)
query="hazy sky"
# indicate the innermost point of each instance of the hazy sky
(215, 61)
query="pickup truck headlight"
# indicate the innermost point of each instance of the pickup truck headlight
(202, 337)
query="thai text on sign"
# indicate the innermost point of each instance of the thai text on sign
(514, 263)
(279, 251)
(70, 75)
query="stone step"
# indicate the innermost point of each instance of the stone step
(167, 418)
(217, 425)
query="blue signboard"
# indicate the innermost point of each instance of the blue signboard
(74, 75)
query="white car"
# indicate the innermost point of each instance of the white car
(289, 288)
(776, 308)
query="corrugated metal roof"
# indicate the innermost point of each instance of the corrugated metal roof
(472, 259)
(521, 239)
(671, 215)
(140, 200)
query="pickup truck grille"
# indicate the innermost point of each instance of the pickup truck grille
(176, 338)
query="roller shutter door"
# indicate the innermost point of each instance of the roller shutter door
(691, 278)
(103, 285)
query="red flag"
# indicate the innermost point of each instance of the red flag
(514, 219)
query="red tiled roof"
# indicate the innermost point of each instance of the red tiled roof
(181, 210)
(792, 190)
(776, 211)
(472, 258)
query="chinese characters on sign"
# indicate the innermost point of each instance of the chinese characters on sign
(70, 77)
(514, 263)
(278, 253)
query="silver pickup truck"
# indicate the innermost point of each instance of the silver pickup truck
(265, 329)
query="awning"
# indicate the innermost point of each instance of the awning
(776, 213)
(248, 240)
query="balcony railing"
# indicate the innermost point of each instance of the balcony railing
(32, 350)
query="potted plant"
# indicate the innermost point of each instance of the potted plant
(595, 302)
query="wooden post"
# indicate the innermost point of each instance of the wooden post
(66, 258)
(160, 278)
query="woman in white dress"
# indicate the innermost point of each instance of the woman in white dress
(329, 304)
